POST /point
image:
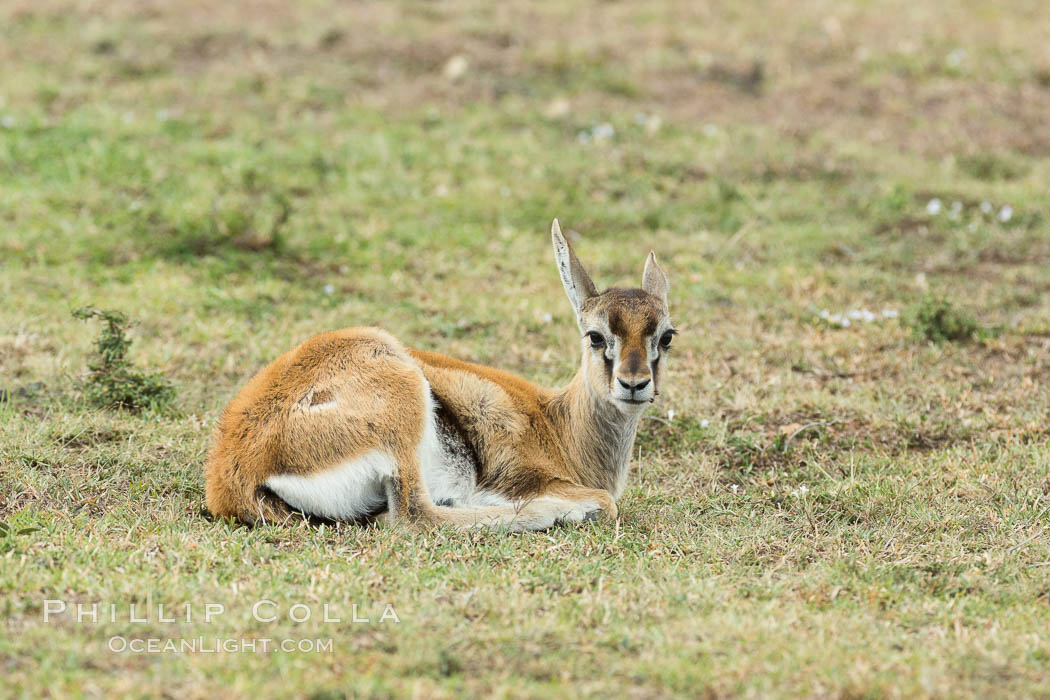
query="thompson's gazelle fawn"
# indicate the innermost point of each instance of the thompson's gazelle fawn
(352, 424)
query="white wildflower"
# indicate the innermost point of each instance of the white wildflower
(650, 122)
(558, 108)
(456, 67)
(835, 319)
(860, 315)
(734, 488)
(1006, 213)
(704, 423)
(329, 289)
(933, 207)
(670, 414)
(548, 317)
(7, 121)
(986, 207)
(955, 58)
(599, 132)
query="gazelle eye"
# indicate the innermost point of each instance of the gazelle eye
(666, 338)
(597, 339)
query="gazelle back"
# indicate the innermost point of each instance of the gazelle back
(352, 425)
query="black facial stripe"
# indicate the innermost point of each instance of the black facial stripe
(616, 325)
(634, 362)
(608, 369)
(650, 326)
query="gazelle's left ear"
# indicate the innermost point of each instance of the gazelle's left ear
(577, 283)
(654, 280)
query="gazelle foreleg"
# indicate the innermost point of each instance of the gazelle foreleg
(559, 502)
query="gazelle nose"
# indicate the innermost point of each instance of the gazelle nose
(637, 386)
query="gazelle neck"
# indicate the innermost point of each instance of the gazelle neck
(596, 435)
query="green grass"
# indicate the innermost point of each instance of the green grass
(846, 511)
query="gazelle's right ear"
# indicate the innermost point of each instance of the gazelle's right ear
(577, 282)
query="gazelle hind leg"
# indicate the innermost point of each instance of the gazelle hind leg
(318, 430)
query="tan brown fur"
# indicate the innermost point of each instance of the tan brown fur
(344, 395)
(269, 425)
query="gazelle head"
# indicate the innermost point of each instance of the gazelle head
(626, 332)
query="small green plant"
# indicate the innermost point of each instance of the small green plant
(113, 382)
(8, 535)
(937, 320)
(992, 166)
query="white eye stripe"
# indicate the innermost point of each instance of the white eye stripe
(614, 344)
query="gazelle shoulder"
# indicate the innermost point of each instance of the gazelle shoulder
(480, 393)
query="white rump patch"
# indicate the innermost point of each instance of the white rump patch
(349, 491)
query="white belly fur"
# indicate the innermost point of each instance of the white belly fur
(355, 488)
(444, 481)
(349, 491)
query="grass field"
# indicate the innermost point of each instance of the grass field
(830, 510)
